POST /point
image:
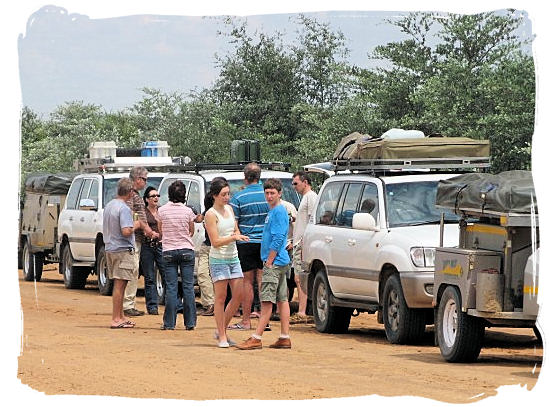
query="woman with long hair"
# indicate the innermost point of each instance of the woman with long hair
(178, 252)
(225, 268)
(151, 251)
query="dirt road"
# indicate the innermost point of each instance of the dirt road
(68, 349)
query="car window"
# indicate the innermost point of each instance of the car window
(327, 203)
(94, 191)
(349, 205)
(73, 193)
(164, 189)
(85, 189)
(193, 196)
(369, 201)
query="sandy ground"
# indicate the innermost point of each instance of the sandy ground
(67, 348)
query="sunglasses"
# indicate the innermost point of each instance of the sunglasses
(154, 196)
(294, 183)
(143, 178)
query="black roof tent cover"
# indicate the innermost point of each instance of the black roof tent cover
(506, 192)
(54, 184)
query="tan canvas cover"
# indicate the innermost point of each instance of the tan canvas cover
(347, 147)
(436, 147)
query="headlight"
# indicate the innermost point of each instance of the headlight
(423, 256)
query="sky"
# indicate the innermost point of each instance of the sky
(14, 27)
(65, 55)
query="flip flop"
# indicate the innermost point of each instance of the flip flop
(254, 314)
(238, 326)
(124, 324)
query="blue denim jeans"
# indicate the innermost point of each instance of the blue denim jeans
(149, 257)
(184, 261)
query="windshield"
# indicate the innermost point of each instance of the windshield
(109, 187)
(413, 203)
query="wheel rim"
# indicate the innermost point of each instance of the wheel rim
(26, 260)
(102, 271)
(67, 266)
(322, 301)
(160, 288)
(449, 323)
(393, 310)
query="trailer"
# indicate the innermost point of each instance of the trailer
(491, 278)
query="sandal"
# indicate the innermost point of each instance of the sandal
(255, 314)
(238, 326)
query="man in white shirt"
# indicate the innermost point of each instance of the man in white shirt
(302, 185)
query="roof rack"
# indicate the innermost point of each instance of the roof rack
(365, 164)
(122, 164)
(237, 166)
(165, 164)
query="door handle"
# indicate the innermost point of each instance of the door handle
(328, 239)
(82, 219)
(351, 242)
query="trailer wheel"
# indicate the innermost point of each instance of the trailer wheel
(73, 277)
(460, 336)
(32, 264)
(401, 323)
(328, 318)
(104, 283)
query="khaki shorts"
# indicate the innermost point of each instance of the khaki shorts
(122, 265)
(274, 288)
(297, 258)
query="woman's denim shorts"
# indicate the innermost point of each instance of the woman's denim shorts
(225, 271)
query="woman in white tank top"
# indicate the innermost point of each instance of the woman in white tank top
(225, 268)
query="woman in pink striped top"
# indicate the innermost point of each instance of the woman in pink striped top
(178, 252)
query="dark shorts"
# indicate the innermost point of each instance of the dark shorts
(249, 256)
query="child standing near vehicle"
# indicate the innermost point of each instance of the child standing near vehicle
(276, 265)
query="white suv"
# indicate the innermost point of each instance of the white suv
(371, 248)
(80, 228)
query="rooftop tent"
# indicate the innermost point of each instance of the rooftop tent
(49, 183)
(507, 192)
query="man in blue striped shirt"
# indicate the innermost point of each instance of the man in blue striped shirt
(250, 208)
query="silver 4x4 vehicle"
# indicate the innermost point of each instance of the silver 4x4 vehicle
(80, 227)
(371, 247)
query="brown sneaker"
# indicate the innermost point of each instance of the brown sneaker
(250, 343)
(281, 343)
(208, 311)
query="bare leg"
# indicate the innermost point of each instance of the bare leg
(236, 296)
(220, 292)
(264, 317)
(118, 295)
(302, 298)
(248, 297)
(284, 315)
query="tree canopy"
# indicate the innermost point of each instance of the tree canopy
(458, 75)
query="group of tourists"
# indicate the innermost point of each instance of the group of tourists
(251, 240)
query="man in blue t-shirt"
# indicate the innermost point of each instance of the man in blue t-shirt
(276, 263)
(250, 209)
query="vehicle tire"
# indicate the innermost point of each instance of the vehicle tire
(104, 283)
(73, 277)
(328, 318)
(32, 264)
(537, 334)
(460, 336)
(159, 283)
(401, 323)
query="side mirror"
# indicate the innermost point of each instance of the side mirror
(87, 204)
(364, 221)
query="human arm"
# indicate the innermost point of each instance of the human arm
(211, 225)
